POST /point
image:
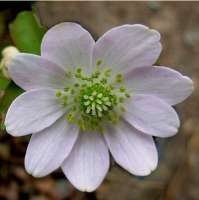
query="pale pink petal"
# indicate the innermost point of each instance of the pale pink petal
(131, 149)
(48, 148)
(165, 83)
(127, 47)
(88, 162)
(152, 116)
(69, 45)
(34, 72)
(33, 111)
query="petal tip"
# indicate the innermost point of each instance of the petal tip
(33, 171)
(190, 82)
(87, 189)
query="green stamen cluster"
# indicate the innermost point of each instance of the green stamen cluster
(97, 100)
(94, 99)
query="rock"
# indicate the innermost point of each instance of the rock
(191, 37)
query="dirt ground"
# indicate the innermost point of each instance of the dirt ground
(177, 176)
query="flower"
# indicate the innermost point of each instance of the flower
(85, 98)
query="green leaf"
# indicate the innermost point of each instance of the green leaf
(10, 94)
(26, 32)
(4, 82)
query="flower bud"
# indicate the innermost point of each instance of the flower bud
(8, 54)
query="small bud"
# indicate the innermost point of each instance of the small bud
(8, 54)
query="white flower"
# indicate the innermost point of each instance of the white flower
(85, 98)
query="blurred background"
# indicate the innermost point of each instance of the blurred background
(177, 176)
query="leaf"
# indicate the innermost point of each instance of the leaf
(26, 32)
(4, 82)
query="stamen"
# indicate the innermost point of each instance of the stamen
(93, 99)
(100, 95)
(107, 72)
(78, 70)
(99, 108)
(58, 93)
(122, 89)
(108, 103)
(86, 97)
(93, 112)
(98, 62)
(76, 84)
(118, 78)
(99, 101)
(66, 89)
(127, 95)
(121, 99)
(105, 98)
(94, 93)
(99, 114)
(86, 103)
(104, 107)
(88, 109)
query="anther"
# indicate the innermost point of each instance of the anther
(127, 95)
(94, 93)
(119, 78)
(58, 93)
(99, 114)
(88, 110)
(100, 95)
(104, 81)
(99, 101)
(98, 62)
(91, 98)
(66, 89)
(121, 99)
(105, 98)
(107, 72)
(93, 112)
(122, 89)
(76, 84)
(86, 97)
(78, 70)
(108, 103)
(99, 108)
(86, 103)
(93, 106)
(104, 107)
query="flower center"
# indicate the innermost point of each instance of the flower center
(97, 100)
(93, 100)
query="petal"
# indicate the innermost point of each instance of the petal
(68, 45)
(127, 47)
(131, 149)
(34, 72)
(165, 83)
(48, 148)
(88, 162)
(33, 111)
(152, 116)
